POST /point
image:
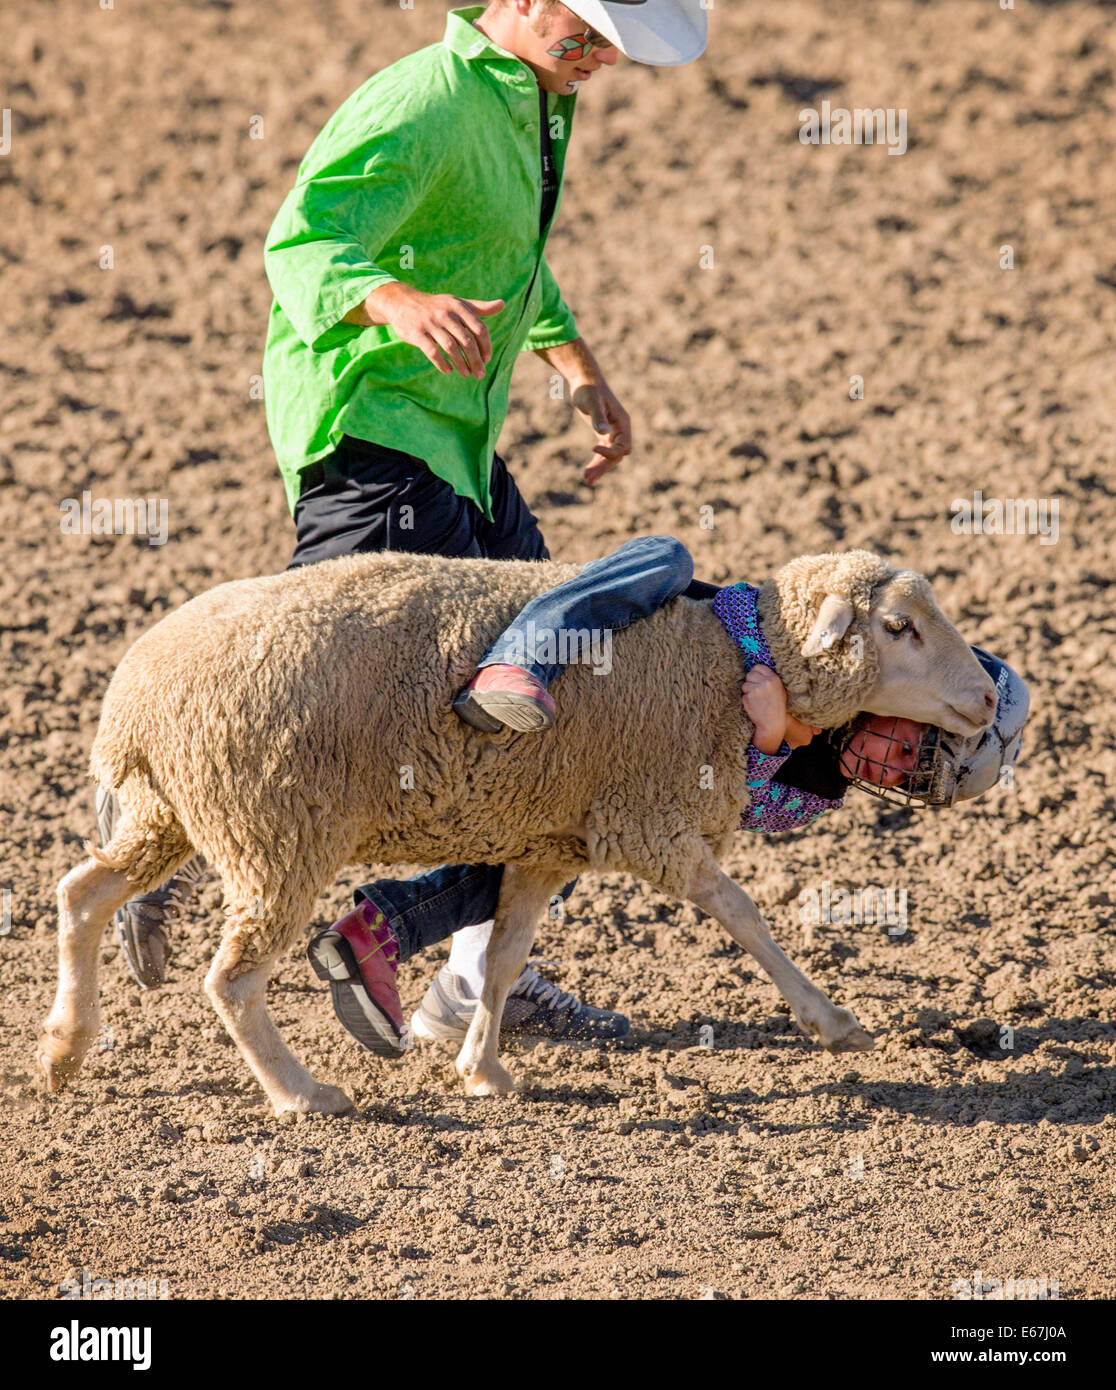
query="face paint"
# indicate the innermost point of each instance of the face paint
(575, 46)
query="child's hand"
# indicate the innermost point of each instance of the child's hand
(799, 734)
(765, 704)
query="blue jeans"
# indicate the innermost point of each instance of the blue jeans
(425, 910)
(576, 620)
(571, 620)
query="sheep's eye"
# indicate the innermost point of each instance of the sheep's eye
(897, 625)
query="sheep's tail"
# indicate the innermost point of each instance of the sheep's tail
(115, 756)
(143, 837)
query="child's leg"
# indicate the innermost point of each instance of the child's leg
(575, 620)
(393, 919)
(457, 900)
(360, 954)
(429, 907)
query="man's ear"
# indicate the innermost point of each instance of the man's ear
(834, 619)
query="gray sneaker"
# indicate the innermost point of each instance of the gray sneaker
(533, 1005)
(142, 922)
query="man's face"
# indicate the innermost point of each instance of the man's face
(883, 750)
(559, 51)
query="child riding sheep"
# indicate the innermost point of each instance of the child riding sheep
(393, 919)
(324, 681)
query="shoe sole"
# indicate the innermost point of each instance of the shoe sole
(360, 1015)
(143, 970)
(493, 712)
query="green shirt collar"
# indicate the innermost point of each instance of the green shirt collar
(468, 42)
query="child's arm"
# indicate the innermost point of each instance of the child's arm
(773, 806)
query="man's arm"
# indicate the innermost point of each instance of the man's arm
(554, 338)
(329, 254)
(449, 330)
(324, 250)
(594, 400)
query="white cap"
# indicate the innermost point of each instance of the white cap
(664, 33)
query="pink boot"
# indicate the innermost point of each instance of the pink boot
(505, 695)
(359, 956)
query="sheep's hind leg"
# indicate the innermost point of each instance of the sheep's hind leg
(237, 986)
(836, 1029)
(87, 898)
(523, 895)
(147, 846)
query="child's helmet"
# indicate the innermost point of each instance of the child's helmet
(950, 767)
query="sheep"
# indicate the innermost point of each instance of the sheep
(287, 726)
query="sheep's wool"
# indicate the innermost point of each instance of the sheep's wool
(289, 725)
(829, 688)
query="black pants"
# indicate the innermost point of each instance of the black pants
(367, 497)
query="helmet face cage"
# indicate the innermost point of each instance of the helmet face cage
(923, 785)
(948, 767)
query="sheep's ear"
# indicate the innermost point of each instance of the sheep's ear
(833, 620)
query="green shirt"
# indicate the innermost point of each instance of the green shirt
(429, 173)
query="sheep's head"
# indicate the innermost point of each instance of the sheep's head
(850, 633)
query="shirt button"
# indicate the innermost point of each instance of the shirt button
(529, 125)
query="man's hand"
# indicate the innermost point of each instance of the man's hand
(594, 401)
(610, 424)
(448, 330)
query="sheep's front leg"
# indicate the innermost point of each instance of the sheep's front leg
(836, 1029)
(523, 895)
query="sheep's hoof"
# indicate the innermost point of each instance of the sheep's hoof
(323, 1100)
(498, 1082)
(844, 1034)
(858, 1040)
(841, 1033)
(58, 1061)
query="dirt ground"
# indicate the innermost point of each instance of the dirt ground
(732, 281)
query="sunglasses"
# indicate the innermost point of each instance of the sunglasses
(575, 46)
